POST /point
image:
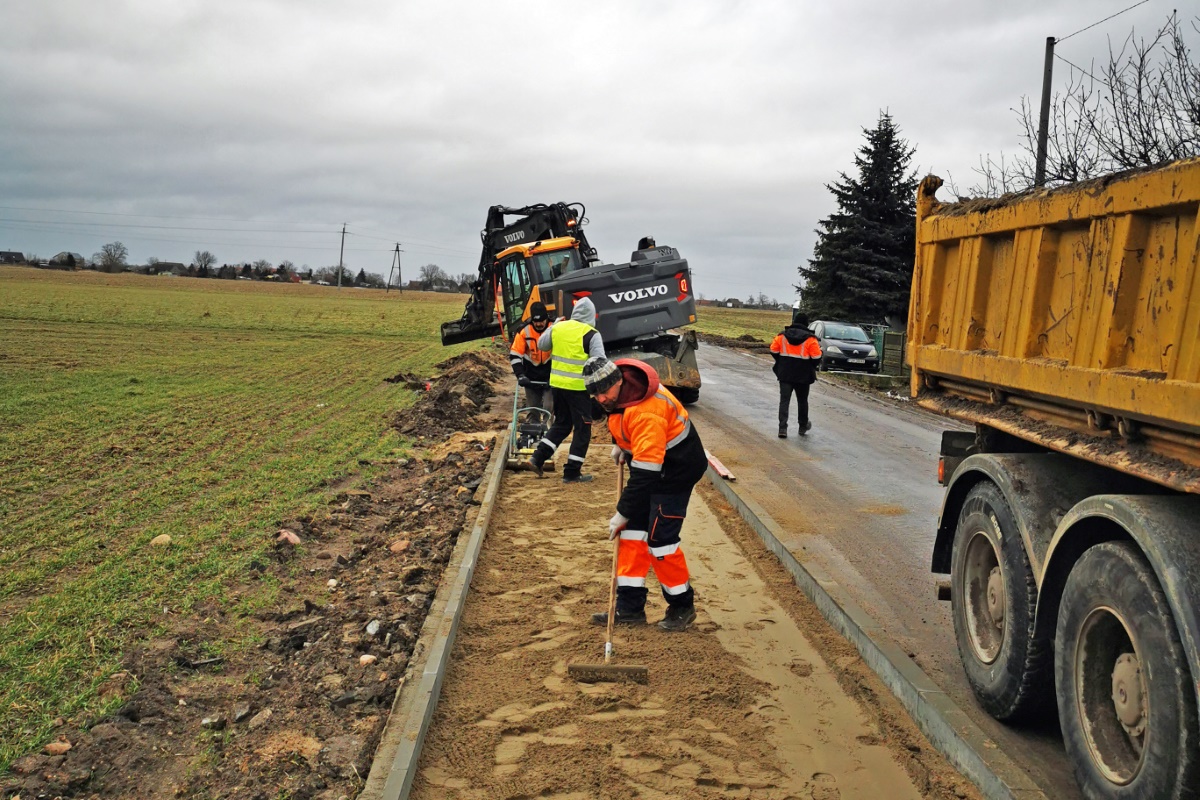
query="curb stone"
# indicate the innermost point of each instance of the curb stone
(394, 766)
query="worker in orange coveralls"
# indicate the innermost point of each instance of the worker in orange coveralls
(652, 433)
(797, 355)
(530, 364)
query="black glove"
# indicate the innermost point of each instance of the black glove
(523, 380)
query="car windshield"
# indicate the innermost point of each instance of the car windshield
(845, 333)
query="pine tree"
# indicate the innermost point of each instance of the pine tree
(861, 269)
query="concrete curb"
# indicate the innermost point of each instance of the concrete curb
(961, 741)
(395, 764)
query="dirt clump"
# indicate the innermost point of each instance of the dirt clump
(456, 397)
(299, 711)
(744, 342)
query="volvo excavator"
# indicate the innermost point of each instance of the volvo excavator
(543, 254)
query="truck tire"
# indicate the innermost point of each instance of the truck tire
(993, 594)
(1125, 700)
(686, 394)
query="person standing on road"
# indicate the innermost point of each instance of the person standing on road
(530, 364)
(570, 343)
(652, 433)
(797, 355)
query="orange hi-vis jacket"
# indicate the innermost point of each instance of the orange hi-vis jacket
(646, 431)
(797, 353)
(652, 426)
(526, 358)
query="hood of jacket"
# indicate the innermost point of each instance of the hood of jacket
(584, 311)
(638, 381)
(795, 334)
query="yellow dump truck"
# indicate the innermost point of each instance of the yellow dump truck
(1065, 324)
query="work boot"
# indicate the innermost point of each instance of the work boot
(576, 478)
(629, 618)
(783, 431)
(678, 618)
(805, 428)
(536, 466)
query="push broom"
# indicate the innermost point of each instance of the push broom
(609, 672)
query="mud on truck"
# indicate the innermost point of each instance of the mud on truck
(543, 255)
(1065, 325)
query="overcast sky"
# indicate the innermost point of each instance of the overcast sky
(255, 128)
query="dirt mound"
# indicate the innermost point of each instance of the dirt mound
(743, 342)
(300, 715)
(455, 398)
(410, 381)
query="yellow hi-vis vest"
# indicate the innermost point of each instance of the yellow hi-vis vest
(567, 355)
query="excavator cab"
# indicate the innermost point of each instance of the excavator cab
(522, 268)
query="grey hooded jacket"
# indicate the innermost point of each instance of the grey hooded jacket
(585, 312)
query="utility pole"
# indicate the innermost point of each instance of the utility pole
(341, 252)
(396, 269)
(1039, 178)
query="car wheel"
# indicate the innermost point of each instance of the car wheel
(993, 595)
(1125, 700)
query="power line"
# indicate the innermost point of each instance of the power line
(1076, 66)
(390, 237)
(148, 216)
(1106, 19)
(156, 227)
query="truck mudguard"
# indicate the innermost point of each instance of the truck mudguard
(1040, 488)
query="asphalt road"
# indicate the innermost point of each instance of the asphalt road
(859, 495)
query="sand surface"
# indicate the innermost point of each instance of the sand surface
(742, 705)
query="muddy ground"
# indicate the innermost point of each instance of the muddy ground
(746, 341)
(761, 699)
(300, 715)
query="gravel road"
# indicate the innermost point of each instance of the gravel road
(860, 495)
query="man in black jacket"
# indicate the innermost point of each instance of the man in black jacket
(797, 355)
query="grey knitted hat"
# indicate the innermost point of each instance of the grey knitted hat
(600, 374)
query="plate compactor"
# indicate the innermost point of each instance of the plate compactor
(529, 425)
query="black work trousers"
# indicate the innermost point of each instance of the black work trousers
(573, 415)
(785, 401)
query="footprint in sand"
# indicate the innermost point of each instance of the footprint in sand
(825, 787)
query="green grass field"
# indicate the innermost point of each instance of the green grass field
(134, 406)
(735, 322)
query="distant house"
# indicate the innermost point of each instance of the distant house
(11, 257)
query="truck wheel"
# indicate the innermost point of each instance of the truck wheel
(1125, 701)
(685, 394)
(993, 595)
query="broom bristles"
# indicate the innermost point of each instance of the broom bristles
(608, 673)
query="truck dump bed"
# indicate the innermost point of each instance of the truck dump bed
(1068, 317)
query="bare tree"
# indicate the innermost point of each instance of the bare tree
(204, 260)
(1140, 109)
(262, 267)
(433, 277)
(111, 257)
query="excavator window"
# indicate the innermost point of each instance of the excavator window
(516, 288)
(552, 266)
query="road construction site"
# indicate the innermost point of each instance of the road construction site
(761, 698)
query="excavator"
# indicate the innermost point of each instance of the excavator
(544, 255)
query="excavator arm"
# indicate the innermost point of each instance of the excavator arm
(534, 223)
